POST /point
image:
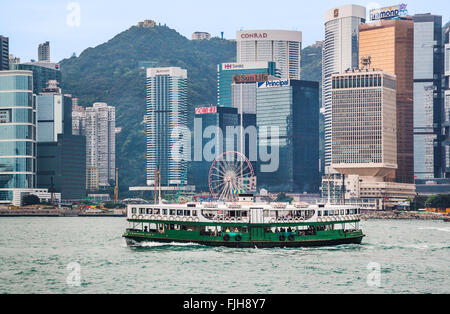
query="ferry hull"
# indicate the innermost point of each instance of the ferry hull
(135, 240)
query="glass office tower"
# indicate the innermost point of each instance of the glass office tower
(428, 96)
(340, 52)
(17, 134)
(226, 72)
(293, 107)
(166, 112)
(42, 73)
(217, 119)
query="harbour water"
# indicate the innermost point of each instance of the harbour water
(88, 255)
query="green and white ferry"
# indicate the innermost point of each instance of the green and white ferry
(244, 224)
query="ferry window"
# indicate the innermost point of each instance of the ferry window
(342, 212)
(194, 213)
(347, 212)
(187, 212)
(133, 210)
(179, 213)
(244, 214)
(149, 211)
(325, 213)
(141, 210)
(172, 212)
(331, 212)
(156, 211)
(164, 211)
(319, 213)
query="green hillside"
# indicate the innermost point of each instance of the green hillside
(110, 73)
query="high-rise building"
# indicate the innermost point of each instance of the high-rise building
(78, 120)
(340, 52)
(17, 135)
(166, 114)
(279, 46)
(219, 119)
(229, 73)
(100, 146)
(44, 52)
(292, 107)
(54, 113)
(390, 44)
(4, 53)
(446, 111)
(428, 96)
(42, 73)
(364, 140)
(13, 61)
(61, 166)
(363, 123)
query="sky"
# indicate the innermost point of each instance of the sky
(71, 26)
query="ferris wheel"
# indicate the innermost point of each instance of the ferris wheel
(231, 173)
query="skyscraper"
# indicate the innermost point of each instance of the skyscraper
(42, 73)
(428, 96)
(363, 123)
(446, 118)
(17, 135)
(226, 76)
(292, 107)
(44, 52)
(51, 113)
(78, 120)
(340, 52)
(218, 118)
(364, 138)
(4, 53)
(166, 113)
(390, 44)
(100, 146)
(282, 47)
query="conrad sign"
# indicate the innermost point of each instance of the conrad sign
(254, 35)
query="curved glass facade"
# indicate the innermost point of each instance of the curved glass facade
(16, 82)
(17, 133)
(17, 148)
(16, 99)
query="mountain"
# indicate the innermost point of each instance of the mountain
(110, 73)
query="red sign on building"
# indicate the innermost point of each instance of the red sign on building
(206, 110)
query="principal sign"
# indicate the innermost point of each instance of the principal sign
(272, 84)
(389, 12)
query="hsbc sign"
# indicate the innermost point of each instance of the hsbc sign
(232, 66)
